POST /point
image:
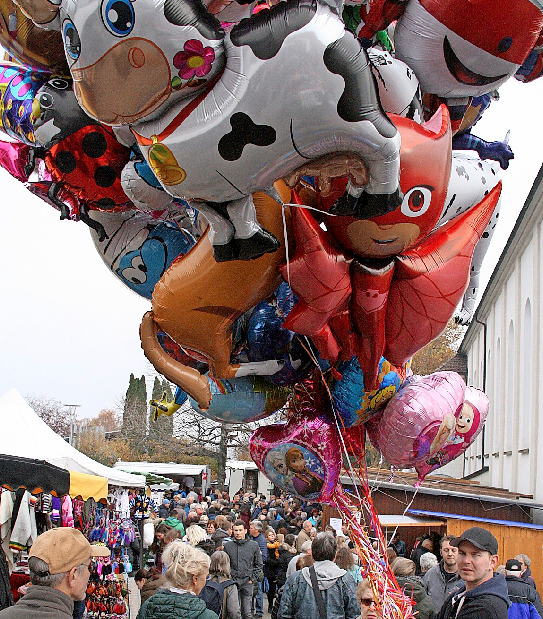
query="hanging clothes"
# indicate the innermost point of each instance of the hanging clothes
(6, 511)
(24, 530)
(67, 512)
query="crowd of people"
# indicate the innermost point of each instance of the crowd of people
(221, 557)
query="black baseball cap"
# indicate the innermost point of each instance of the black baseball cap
(480, 538)
(513, 565)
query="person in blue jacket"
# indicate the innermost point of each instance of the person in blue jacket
(525, 600)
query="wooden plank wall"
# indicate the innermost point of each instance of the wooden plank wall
(511, 540)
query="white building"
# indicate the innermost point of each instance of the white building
(503, 347)
(244, 474)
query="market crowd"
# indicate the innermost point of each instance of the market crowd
(233, 557)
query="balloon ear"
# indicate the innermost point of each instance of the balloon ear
(440, 123)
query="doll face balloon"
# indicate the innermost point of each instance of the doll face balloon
(303, 456)
(419, 418)
(469, 422)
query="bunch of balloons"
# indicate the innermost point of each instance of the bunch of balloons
(305, 204)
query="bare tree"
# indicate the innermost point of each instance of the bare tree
(214, 439)
(55, 414)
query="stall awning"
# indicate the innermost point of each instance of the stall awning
(397, 520)
(508, 523)
(34, 475)
(87, 486)
(162, 468)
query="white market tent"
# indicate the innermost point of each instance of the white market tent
(24, 434)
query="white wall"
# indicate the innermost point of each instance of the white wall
(512, 313)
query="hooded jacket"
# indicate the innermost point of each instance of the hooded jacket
(523, 597)
(41, 603)
(245, 559)
(490, 600)
(413, 588)
(176, 524)
(337, 588)
(437, 587)
(166, 604)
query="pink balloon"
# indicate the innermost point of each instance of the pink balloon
(13, 158)
(302, 456)
(469, 423)
(418, 419)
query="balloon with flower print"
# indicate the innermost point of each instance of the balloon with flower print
(195, 61)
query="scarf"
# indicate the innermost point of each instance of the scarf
(275, 546)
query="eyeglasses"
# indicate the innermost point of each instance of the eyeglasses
(367, 601)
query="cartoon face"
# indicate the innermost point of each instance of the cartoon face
(57, 112)
(141, 269)
(295, 460)
(425, 162)
(464, 423)
(277, 461)
(461, 48)
(157, 53)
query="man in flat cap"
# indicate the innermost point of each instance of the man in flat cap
(59, 563)
(484, 594)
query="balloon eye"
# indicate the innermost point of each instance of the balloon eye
(417, 201)
(46, 101)
(505, 44)
(118, 17)
(59, 83)
(72, 42)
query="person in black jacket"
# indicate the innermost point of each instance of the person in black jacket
(484, 594)
(245, 564)
(520, 592)
(526, 575)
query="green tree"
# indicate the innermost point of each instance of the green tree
(134, 427)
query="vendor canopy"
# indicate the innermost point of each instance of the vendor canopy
(24, 434)
(40, 476)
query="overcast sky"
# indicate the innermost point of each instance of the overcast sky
(69, 328)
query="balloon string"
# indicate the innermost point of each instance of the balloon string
(391, 601)
(285, 236)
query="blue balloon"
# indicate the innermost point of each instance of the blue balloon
(240, 400)
(141, 269)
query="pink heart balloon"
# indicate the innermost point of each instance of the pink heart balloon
(469, 422)
(302, 456)
(418, 419)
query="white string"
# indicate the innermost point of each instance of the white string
(285, 236)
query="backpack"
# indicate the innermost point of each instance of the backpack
(213, 595)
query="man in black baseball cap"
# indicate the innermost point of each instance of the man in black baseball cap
(525, 600)
(483, 594)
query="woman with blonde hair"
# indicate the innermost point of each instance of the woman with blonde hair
(345, 560)
(186, 572)
(197, 537)
(366, 601)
